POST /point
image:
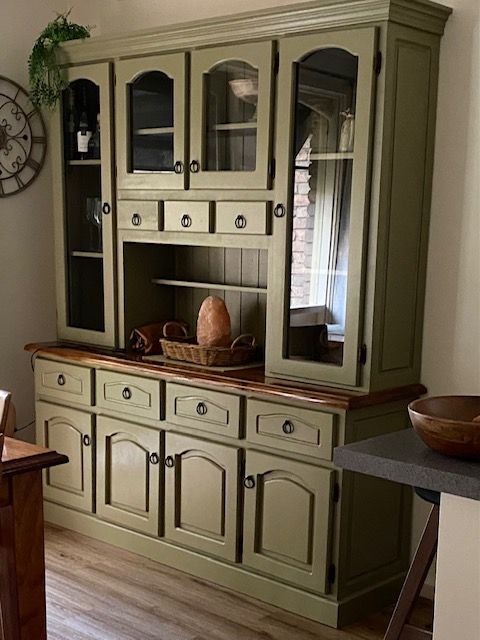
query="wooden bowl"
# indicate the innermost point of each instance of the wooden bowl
(447, 424)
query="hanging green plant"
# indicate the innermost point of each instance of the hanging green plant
(46, 79)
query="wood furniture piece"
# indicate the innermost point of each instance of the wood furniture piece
(227, 167)
(22, 566)
(7, 414)
(402, 457)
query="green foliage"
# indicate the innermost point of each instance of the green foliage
(46, 79)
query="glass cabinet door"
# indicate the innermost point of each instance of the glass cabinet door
(83, 227)
(150, 111)
(230, 118)
(326, 87)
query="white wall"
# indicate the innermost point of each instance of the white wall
(26, 232)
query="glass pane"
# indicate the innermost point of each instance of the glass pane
(83, 205)
(151, 123)
(231, 91)
(325, 95)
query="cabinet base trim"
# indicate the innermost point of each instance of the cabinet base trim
(333, 614)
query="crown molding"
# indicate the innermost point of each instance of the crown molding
(264, 24)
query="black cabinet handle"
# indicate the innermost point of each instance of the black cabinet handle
(126, 393)
(61, 380)
(154, 459)
(194, 166)
(186, 221)
(240, 222)
(279, 211)
(106, 208)
(288, 427)
(178, 167)
(136, 220)
(201, 408)
(169, 462)
(249, 482)
(86, 440)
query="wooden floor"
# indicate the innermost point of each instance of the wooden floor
(99, 592)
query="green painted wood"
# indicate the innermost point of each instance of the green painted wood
(129, 465)
(201, 499)
(198, 218)
(99, 74)
(126, 71)
(259, 56)
(291, 429)
(70, 432)
(362, 43)
(287, 492)
(64, 382)
(124, 393)
(203, 409)
(140, 214)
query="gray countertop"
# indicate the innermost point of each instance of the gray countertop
(402, 457)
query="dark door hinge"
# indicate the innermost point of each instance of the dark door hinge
(276, 63)
(272, 168)
(336, 492)
(377, 62)
(332, 573)
(362, 354)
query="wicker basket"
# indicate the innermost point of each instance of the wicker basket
(241, 351)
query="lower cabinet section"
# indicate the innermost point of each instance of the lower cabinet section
(130, 475)
(71, 432)
(287, 514)
(201, 499)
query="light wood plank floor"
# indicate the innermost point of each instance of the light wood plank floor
(98, 592)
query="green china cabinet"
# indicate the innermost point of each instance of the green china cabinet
(281, 160)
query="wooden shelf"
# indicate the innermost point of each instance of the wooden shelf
(234, 126)
(332, 156)
(153, 131)
(85, 163)
(87, 254)
(209, 285)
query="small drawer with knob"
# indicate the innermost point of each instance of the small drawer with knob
(202, 409)
(63, 381)
(248, 218)
(140, 214)
(291, 429)
(191, 217)
(128, 394)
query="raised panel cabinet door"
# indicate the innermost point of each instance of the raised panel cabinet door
(129, 475)
(70, 432)
(201, 495)
(231, 98)
(286, 525)
(325, 115)
(150, 116)
(84, 208)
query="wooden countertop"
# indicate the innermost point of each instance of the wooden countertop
(21, 457)
(247, 380)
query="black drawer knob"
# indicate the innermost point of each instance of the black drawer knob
(186, 221)
(201, 409)
(126, 393)
(154, 459)
(169, 462)
(279, 211)
(106, 208)
(178, 167)
(136, 220)
(287, 427)
(249, 482)
(61, 380)
(194, 166)
(240, 221)
(87, 441)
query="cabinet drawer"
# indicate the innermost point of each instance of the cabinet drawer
(211, 411)
(291, 428)
(67, 382)
(242, 217)
(128, 394)
(139, 214)
(188, 216)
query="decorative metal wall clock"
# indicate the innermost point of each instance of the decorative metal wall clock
(23, 140)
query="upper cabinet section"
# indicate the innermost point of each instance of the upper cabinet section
(230, 91)
(325, 113)
(151, 122)
(230, 118)
(82, 167)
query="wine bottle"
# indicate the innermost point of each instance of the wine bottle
(83, 136)
(94, 143)
(71, 143)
